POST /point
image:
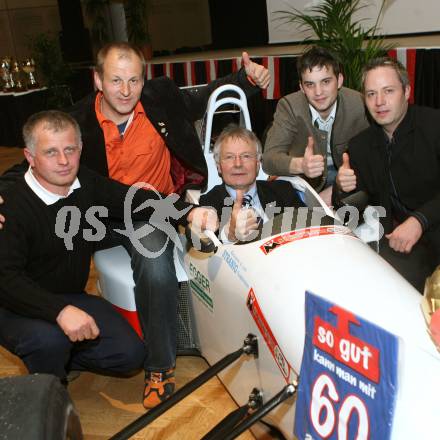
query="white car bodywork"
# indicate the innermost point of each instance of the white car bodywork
(340, 268)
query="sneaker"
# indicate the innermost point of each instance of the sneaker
(158, 387)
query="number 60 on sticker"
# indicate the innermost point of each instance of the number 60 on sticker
(324, 416)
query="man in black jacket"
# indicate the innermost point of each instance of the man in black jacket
(143, 131)
(242, 202)
(54, 221)
(397, 163)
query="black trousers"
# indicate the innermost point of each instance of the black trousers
(416, 266)
(44, 348)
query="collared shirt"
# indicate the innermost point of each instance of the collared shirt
(138, 154)
(48, 197)
(325, 125)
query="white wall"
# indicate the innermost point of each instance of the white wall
(400, 17)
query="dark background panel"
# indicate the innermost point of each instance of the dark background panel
(240, 23)
(74, 37)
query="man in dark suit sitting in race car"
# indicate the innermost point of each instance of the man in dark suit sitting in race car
(242, 202)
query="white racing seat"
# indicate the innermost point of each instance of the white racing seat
(116, 284)
(308, 195)
(214, 103)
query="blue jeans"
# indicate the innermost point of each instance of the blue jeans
(156, 294)
(44, 348)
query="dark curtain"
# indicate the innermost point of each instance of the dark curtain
(427, 78)
(14, 111)
(289, 80)
(241, 23)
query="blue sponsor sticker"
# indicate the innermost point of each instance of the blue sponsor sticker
(348, 378)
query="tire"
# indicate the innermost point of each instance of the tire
(37, 407)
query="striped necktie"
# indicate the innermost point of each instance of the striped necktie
(247, 201)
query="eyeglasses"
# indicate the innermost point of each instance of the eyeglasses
(244, 157)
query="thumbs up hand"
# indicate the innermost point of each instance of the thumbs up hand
(346, 178)
(312, 164)
(238, 202)
(256, 72)
(243, 221)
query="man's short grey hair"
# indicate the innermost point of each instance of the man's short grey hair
(386, 62)
(52, 120)
(233, 131)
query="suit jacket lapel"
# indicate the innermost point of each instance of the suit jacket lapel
(266, 199)
(155, 112)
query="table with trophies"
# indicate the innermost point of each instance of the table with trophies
(20, 96)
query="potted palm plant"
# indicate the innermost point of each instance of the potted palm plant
(331, 24)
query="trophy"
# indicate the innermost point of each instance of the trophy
(28, 67)
(431, 306)
(18, 83)
(8, 84)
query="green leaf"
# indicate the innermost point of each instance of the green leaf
(332, 23)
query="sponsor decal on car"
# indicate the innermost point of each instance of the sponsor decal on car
(201, 287)
(263, 326)
(348, 376)
(235, 265)
(289, 237)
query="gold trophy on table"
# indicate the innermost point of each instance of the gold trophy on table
(28, 66)
(8, 82)
(17, 78)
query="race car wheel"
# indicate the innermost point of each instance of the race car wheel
(37, 406)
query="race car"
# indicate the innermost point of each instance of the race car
(308, 328)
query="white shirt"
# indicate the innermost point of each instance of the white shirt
(48, 197)
(325, 125)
